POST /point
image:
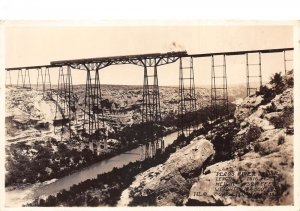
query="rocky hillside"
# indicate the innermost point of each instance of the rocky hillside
(29, 114)
(168, 183)
(252, 160)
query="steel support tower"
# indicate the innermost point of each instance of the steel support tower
(65, 112)
(287, 62)
(93, 123)
(44, 79)
(8, 78)
(24, 76)
(151, 99)
(151, 110)
(253, 71)
(187, 102)
(219, 93)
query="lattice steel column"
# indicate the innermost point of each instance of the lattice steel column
(66, 101)
(219, 93)
(151, 98)
(44, 76)
(151, 111)
(8, 81)
(251, 87)
(93, 125)
(25, 78)
(286, 62)
(187, 102)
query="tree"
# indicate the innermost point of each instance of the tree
(93, 202)
(51, 201)
(277, 80)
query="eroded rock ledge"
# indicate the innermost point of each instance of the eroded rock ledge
(170, 182)
(272, 171)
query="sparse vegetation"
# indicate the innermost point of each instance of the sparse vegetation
(267, 93)
(109, 186)
(229, 138)
(278, 82)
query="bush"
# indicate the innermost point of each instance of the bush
(277, 80)
(271, 108)
(284, 120)
(277, 121)
(266, 147)
(268, 94)
(281, 140)
(290, 82)
(253, 133)
(288, 116)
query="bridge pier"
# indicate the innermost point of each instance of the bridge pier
(187, 103)
(219, 93)
(151, 115)
(288, 60)
(24, 76)
(93, 123)
(151, 98)
(254, 66)
(151, 148)
(66, 103)
(44, 76)
(8, 81)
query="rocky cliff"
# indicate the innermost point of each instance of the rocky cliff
(28, 114)
(169, 183)
(261, 172)
(257, 169)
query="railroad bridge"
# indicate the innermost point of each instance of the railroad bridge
(93, 124)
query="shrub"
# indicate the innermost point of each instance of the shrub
(290, 82)
(253, 133)
(288, 116)
(284, 120)
(277, 80)
(271, 108)
(281, 140)
(268, 94)
(278, 122)
(266, 147)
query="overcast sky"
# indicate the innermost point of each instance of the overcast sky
(38, 45)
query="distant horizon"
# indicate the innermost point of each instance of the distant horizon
(171, 86)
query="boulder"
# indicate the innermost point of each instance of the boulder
(254, 180)
(246, 108)
(169, 183)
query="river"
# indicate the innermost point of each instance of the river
(19, 197)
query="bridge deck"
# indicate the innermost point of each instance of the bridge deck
(131, 59)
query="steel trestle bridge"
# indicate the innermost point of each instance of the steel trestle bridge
(93, 123)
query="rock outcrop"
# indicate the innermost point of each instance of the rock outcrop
(169, 183)
(261, 172)
(270, 182)
(28, 113)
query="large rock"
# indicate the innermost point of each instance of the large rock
(169, 183)
(246, 108)
(284, 100)
(271, 176)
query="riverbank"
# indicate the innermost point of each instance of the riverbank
(106, 189)
(90, 172)
(169, 183)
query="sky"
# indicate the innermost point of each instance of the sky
(40, 44)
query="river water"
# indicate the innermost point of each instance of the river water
(17, 197)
